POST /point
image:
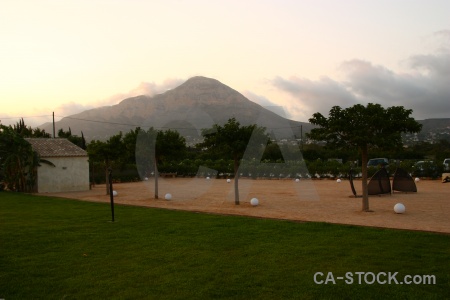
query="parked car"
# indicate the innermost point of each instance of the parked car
(424, 168)
(375, 162)
(446, 164)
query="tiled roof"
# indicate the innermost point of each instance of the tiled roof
(57, 147)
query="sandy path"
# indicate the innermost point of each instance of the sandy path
(307, 200)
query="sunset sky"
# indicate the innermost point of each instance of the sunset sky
(306, 56)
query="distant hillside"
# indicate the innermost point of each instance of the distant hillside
(198, 103)
(433, 124)
(434, 130)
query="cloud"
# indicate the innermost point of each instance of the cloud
(72, 108)
(38, 116)
(313, 96)
(267, 104)
(144, 88)
(425, 88)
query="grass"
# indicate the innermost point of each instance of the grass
(52, 248)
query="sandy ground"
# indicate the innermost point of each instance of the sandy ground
(307, 200)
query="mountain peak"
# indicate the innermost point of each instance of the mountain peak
(202, 83)
(201, 80)
(200, 102)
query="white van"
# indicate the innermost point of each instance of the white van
(447, 164)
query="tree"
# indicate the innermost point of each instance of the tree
(21, 129)
(364, 127)
(231, 141)
(18, 161)
(75, 139)
(108, 151)
(129, 141)
(272, 153)
(155, 146)
(146, 155)
(27, 132)
(40, 133)
(169, 144)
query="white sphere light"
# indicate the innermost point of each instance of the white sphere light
(228, 180)
(168, 196)
(146, 178)
(417, 179)
(338, 181)
(115, 193)
(297, 180)
(399, 208)
(254, 202)
(207, 178)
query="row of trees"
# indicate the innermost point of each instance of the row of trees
(360, 127)
(348, 134)
(144, 148)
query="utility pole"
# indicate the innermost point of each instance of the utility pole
(301, 136)
(53, 124)
(111, 193)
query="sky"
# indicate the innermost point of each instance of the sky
(305, 56)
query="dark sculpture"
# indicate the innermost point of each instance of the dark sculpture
(350, 175)
(379, 183)
(403, 182)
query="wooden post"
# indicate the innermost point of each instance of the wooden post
(111, 195)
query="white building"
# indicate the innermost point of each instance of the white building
(71, 170)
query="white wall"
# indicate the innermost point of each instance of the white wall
(70, 174)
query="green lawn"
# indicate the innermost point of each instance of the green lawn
(52, 248)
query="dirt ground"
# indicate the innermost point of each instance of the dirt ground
(306, 200)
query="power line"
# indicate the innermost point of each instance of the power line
(123, 124)
(184, 128)
(27, 117)
(97, 121)
(129, 124)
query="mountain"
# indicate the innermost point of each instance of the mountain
(434, 130)
(198, 103)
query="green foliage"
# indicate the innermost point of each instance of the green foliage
(75, 139)
(272, 153)
(129, 141)
(27, 132)
(18, 161)
(109, 151)
(120, 151)
(160, 147)
(232, 140)
(169, 145)
(364, 127)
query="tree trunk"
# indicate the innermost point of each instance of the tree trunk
(156, 178)
(365, 191)
(236, 181)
